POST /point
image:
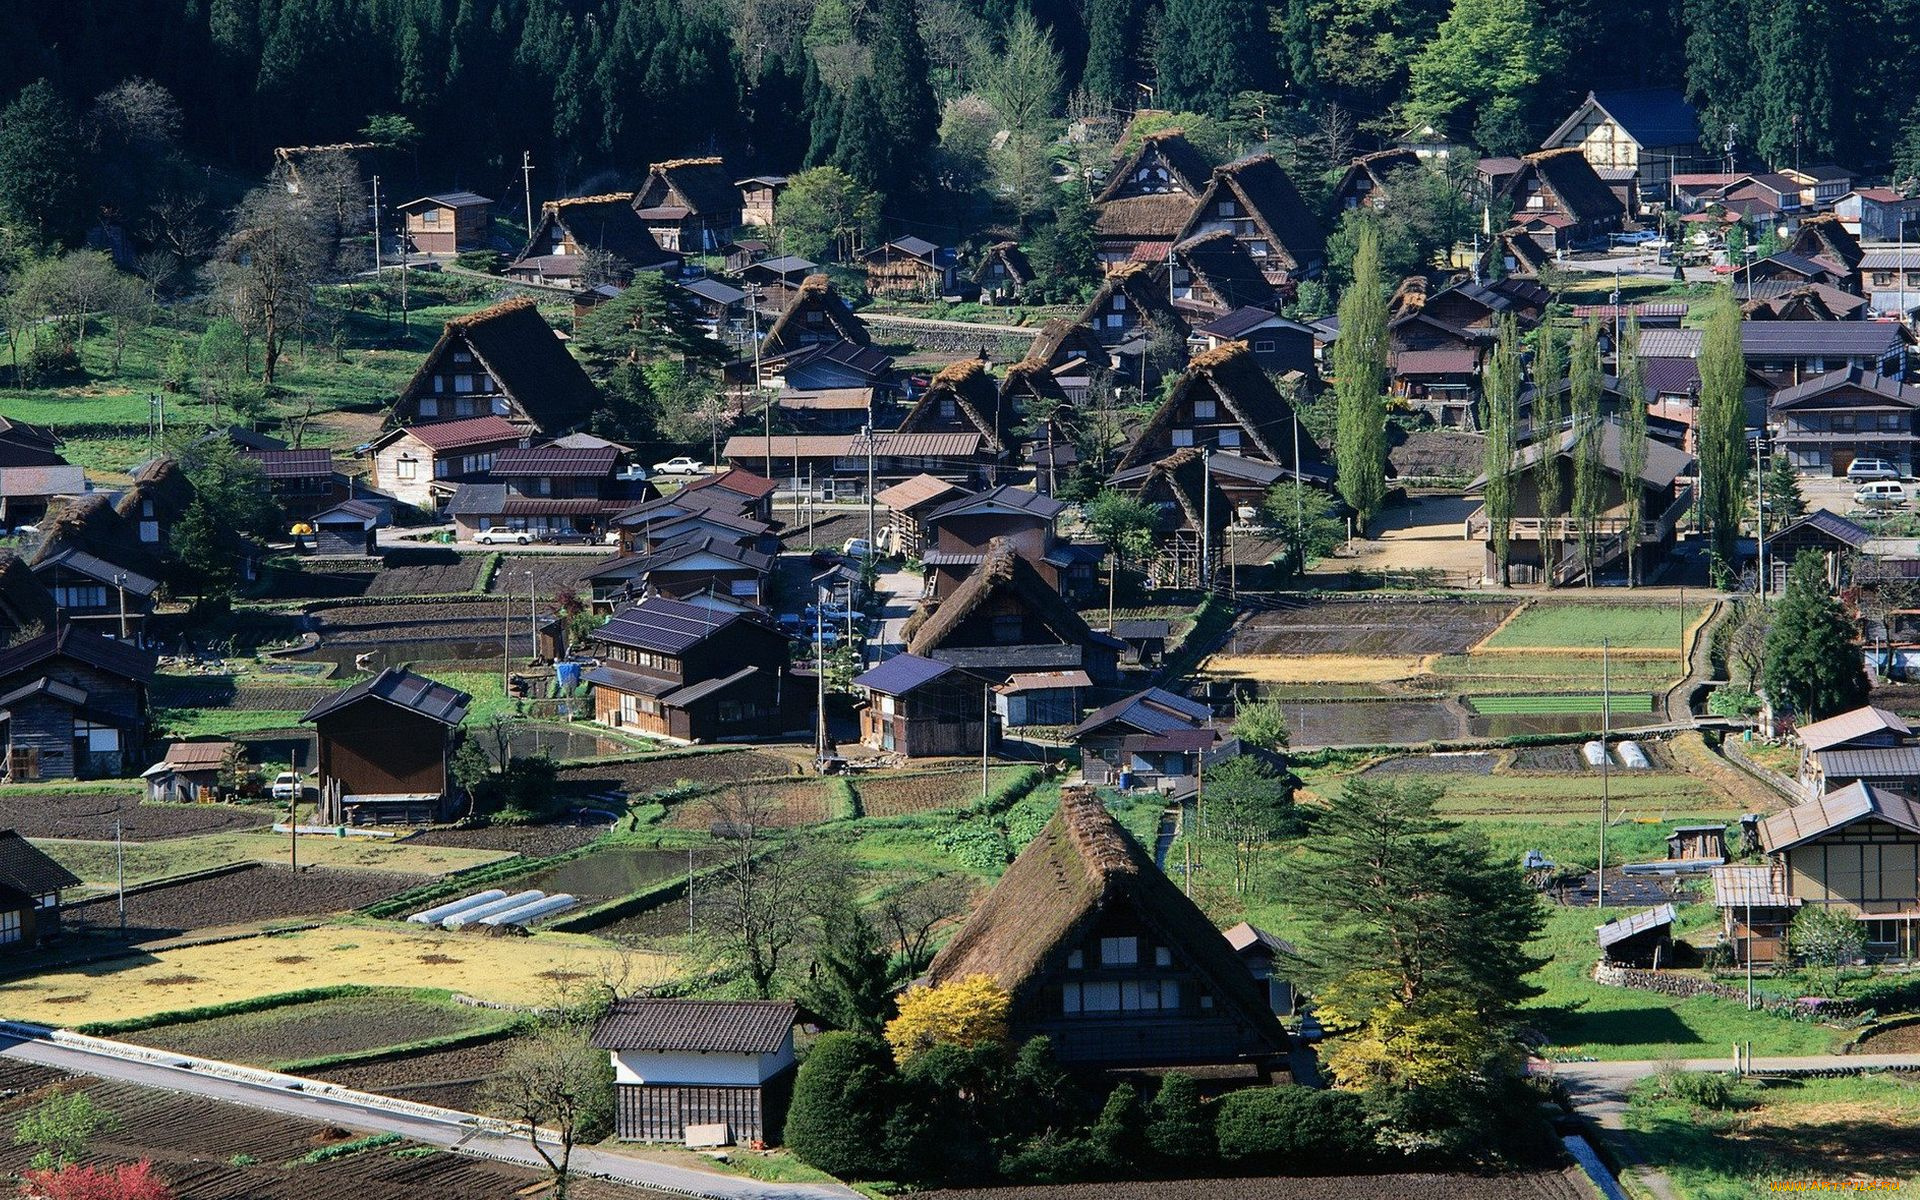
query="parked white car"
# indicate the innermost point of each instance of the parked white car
(288, 785)
(494, 537)
(1884, 494)
(680, 466)
(1863, 470)
(857, 548)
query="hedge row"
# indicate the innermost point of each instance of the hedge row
(230, 1008)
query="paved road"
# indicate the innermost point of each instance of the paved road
(449, 1134)
(1599, 1091)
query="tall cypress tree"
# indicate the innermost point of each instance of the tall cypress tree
(1801, 62)
(1813, 658)
(1631, 381)
(1549, 414)
(1719, 67)
(1210, 50)
(1503, 402)
(903, 97)
(1720, 432)
(1589, 479)
(39, 185)
(1360, 382)
(1110, 38)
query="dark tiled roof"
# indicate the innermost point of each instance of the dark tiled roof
(714, 292)
(1005, 496)
(697, 1026)
(1152, 711)
(448, 199)
(701, 689)
(100, 570)
(901, 674)
(1761, 339)
(1237, 324)
(664, 625)
(1832, 524)
(115, 658)
(292, 464)
(471, 431)
(399, 686)
(556, 461)
(23, 866)
(1871, 382)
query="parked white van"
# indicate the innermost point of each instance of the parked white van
(1884, 494)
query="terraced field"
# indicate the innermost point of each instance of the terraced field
(1631, 702)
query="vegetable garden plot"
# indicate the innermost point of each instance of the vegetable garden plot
(641, 777)
(252, 893)
(792, 802)
(1520, 1185)
(1384, 627)
(91, 816)
(1375, 722)
(319, 1028)
(1643, 626)
(1631, 703)
(905, 795)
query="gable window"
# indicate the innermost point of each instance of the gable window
(948, 410)
(1006, 628)
(1119, 304)
(1162, 956)
(407, 468)
(463, 356)
(429, 407)
(1263, 347)
(463, 383)
(1182, 438)
(150, 531)
(430, 217)
(1203, 410)
(439, 385)
(1119, 951)
(1076, 960)
(84, 595)
(1229, 209)
(1230, 439)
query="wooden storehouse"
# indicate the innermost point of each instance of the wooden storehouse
(1003, 271)
(691, 673)
(909, 268)
(921, 707)
(760, 199)
(448, 223)
(189, 773)
(73, 705)
(30, 887)
(348, 530)
(385, 745)
(683, 1066)
(1642, 939)
(1005, 619)
(1106, 958)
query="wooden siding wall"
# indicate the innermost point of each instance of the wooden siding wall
(1870, 867)
(662, 1112)
(44, 725)
(377, 748)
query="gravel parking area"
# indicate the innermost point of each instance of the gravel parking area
(91, 816)
(253, 893)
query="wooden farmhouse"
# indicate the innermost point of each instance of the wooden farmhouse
(681, 1066)
(1071, 353)
(1870, 744)
(545, 490)
(73, 705)
(760, 199)
(1558, 191)
(1856, 851)
(423, 465)
(1212, 274)
(1789, 354)
(836, 466)
(1003, 271)
(909, 267)
(1787, 300)
(160, 495)
(1132, 306)
(1826, 422)
(1142, 739)
(570, 232)
(1366, 182)
(1106, 958)
(690, 673)
(816, 314)
(1225, 402)
(1531, 550)
(922, 707)
(349, 529)
(94, 594)
(962, 529)
(1005, 619)
(506, 361)
(689, 205)
(1651, 132)
(384, 748)
(1280, 345)
(30, 887)
(1253, 200)
(700, 563)
(962, 398)
(448, 223)
(1148, 199)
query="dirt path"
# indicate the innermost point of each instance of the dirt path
(1679, 707)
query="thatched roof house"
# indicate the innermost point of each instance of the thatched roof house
(1254, 200)
(1149, 198)
(1029, 386)
(962, 398)
(508, 353)
(1225, 401)
(1561, 188)
(817, 313)
(159, 497)
(1005, 618)
(1133, 301)
(569, 228)
(26, 607)
(89, 523)
(1106, 957)
(1822, 236)
(1214, 274)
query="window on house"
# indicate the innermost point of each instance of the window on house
(1076, 960)
(463, 356)
(1162, 956)
(948, 410)
(1119, 951)
(1119, 304)
(11, 929)
(439, 386)
(1263, 347)
(1203, 410)
(1229, 209)
(442, 468)
(430, 217)
(1230, 439)
(82, 595)
(629, 709)
(1006, 628)
(463, 383)
(150, 531)
(1182, 438)
(1882, 933)
(100, 739)
(407, 468)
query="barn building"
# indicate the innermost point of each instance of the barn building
(385, 744)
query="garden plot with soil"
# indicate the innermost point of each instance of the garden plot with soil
(1374, 722)
(906, 795)
(613, 872)
(1519, 1185)
(552, 574)
(427, 572)
(251, 893)
(55, 813)
(452, 1078)
(210, 1150)
(534, 841)
(323, 1028)
(1368, 628)
(790, 803)
(642, 777)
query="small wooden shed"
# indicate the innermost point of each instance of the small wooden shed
(1707, 843)
(189, 774)
(348, 529)
(1644, 939)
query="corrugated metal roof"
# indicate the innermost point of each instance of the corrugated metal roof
(470, 431)
(753, 447)
(291, 464)
(902, 674)
(1761, 887)
(1859, 722)
(196, 756)
(1670, 343)
(559, 461)
(912, 493)
(1760, 339)
(1804, 822)
(1874, 762)
(1040, 681)
(1622, 928)
(42, 481)
(697, 1026)
(1006, 498)
(399, 686)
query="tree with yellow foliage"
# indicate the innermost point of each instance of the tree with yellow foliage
(967, 1012)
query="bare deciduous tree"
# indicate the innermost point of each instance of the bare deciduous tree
(554, 1081)
(910, 916)
(134, 112)
(266, 269)
(762, 902)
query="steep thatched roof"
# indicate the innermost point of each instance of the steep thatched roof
(90, 523)
(794, 329)
(1158, 217)
(967, 384)
(1146, 293)
(1823, 236)
(525, 357)
(1375, 167)
(25, 603)
(1172, 485)
(1220, 263)
(703, 186)
(1010, 256)
(162, 482)
(1002, 569)
(1029, 381)
(1267, 195)
(1171, 162)
(1082, 866)
(1061, 340)
(1229, 375)
(606, 223)
(1583, 195)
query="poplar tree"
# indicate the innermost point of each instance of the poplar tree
(1549, 368)
(1720, 434)
(1360, 383)
(1503, 402)
(1631, 381)
(1589, 477)
(1813, 650)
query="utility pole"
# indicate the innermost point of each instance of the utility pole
(1206, 517)
(753, 314)
(293, 819)
(820, 669)
(506, 655)
(866, 435)
(986, 734)
(526, 177)
(1760, 518)
(533, 619)
(377, 264)
(120, 586)
(1749, 955)
(120, 872)
(1606, 756)
(404, 326)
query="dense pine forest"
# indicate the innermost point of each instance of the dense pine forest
(902, 94)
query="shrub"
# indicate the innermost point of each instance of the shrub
(1293, 1130)
(835, 1119)
(1701, 1089)
(967, 1012)
(1178, 1127)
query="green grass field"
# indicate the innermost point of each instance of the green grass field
(1533, 706)
(1584, 626)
